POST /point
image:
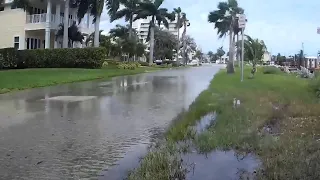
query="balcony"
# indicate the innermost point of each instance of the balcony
(38, 21)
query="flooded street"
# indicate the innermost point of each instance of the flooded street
(91, 130)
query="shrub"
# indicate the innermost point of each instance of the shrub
(52, 58)
(175, 64)
(271, 70)
(143, 63)
(127, 65)
(8, 58)
(105, 64)
(63, 58)
(315, 86)
(112, 62)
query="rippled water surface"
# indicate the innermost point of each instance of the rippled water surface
(83, 130)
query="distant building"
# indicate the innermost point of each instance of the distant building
(142, 28)
(266, 59)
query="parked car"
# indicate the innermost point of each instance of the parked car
(158, 62)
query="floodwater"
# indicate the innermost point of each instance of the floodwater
(218, 165)
(91, 130)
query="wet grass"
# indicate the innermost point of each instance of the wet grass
(278, 120)
(11, 80)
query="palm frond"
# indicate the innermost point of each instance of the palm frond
(120, 14)
(157, 3)
(112, 6)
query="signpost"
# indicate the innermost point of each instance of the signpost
(242, 24)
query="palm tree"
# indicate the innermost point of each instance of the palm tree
(130, 7)
(179, 25)
(74, 35)
(225, 19)
(95, 7)
(152, 10)
(90, 39)
(254, 50)
(210, 55)
(185, 23)
(220, 52)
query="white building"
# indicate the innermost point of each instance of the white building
(142, 28)
(36, 29)
(266, 59)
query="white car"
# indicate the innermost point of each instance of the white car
(158, 62)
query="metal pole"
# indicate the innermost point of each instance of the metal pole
(242, 54)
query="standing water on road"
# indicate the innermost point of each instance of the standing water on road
(93, 129)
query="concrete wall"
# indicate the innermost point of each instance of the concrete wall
(12, 25)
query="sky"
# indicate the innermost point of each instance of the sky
(284, 25)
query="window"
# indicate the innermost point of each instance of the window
(32, 42)
(1, 8)
(39, 43)
(28, 41)
(35, 44)
(16, 42)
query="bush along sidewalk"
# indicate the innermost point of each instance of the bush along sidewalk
(277, 119)
(52, 58)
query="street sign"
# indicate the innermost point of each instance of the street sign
(242, 21)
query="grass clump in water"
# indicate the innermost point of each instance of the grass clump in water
(163, 163)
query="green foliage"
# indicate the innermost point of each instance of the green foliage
(128, 65)
(63, 58)
(105, 64)
(112, 62)
(165, 43)
(142, 63)
(52, 58)
(9, 58)
(271, 70)
(315, 86)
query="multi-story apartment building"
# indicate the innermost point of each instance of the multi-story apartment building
(142, 28)
(36, 28)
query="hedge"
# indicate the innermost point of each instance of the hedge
(8, 58)
(52, 58)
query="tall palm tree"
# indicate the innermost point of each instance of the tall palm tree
(74, 35)
(179, 25)
(185, 23)
(152, 10)
(130, 7)
(224, 20)
(95, 8)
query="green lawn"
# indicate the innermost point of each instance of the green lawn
(290, 149)
(30, 78)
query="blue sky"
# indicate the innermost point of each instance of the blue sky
(283, 24)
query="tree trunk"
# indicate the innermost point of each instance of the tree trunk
(178, 45)
(184, 43)
(230, 68)
(66, 24)
(238, 53)
(130, 27)
(151, 45)
(96, 41)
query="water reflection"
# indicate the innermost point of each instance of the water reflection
(62, 139)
